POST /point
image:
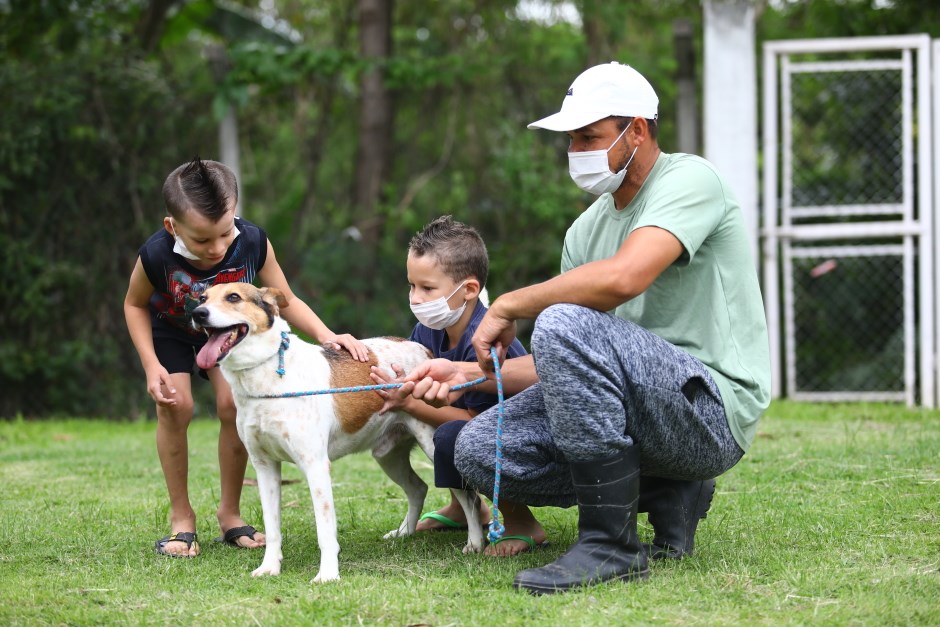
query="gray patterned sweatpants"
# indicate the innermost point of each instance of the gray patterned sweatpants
(604, 385)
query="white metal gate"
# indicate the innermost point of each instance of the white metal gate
(847, 238)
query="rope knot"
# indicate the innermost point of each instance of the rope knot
(285, 344)
(496, 529)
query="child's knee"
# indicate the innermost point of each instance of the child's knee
(177, 416)
(225, 408)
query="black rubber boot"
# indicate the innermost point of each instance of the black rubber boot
(607, 547)
(674, 507)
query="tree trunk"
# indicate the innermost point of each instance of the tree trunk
(597, 32)
(375, 122)
(687, 111)
(229, 147)
(152, 20)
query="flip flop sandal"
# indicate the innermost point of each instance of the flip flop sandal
(182, 536)
(231, 536)
(449, 524)
(527, 539)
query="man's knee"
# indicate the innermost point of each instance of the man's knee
(473, 447)
(553, 322)
(564, 324)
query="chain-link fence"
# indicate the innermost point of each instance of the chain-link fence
(848, 223)
(847, 319)
(846, 133)
(846, 130)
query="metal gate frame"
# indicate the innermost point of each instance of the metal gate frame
(779, 233)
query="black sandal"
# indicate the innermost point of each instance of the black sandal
(188, 537)
(234, 533)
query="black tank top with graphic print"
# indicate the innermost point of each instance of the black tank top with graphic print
(178, 285)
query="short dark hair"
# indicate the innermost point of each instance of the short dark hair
(208, 187)
(623, 121)
(458, 248)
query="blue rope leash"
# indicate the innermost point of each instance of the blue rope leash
(285, 344)
(361, 388)
(496, 528)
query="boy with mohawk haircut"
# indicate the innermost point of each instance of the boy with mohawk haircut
(202, 243)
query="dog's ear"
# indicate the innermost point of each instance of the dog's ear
(273, 297)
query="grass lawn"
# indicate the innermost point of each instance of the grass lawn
(833, 519)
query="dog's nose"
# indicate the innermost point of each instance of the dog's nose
(200, 315)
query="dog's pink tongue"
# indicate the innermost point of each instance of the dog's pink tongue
(208, 357)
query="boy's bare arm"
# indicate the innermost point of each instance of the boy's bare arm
(433, 380)
(137, 315)
(434, 416)
(301, 316)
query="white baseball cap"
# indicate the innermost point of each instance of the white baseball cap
(602, 91)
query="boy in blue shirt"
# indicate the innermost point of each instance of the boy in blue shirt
(447, 270)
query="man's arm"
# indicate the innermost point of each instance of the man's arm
(603, 285)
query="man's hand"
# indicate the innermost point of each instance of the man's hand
(494, 330)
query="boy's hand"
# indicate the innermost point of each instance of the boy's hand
(395, 398)
(160, 387)
(357, 349)
(432, 380)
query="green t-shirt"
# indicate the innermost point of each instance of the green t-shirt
(708, 302)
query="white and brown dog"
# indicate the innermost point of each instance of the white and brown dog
(245, 339)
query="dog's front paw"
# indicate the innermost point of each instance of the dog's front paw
(394, 533)
(470, 548)
(267, 569)
(325, 576)
(401, 532)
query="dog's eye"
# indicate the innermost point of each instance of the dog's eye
(233, 298)
(202, 299)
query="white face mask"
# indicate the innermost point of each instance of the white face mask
(180, 248)
(591, 172)
(437, 314)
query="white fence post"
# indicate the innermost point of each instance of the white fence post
(730, 112)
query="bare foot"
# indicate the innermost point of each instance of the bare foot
(454, 511)
(518, 521)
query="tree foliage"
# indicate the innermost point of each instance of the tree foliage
(82, 143)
